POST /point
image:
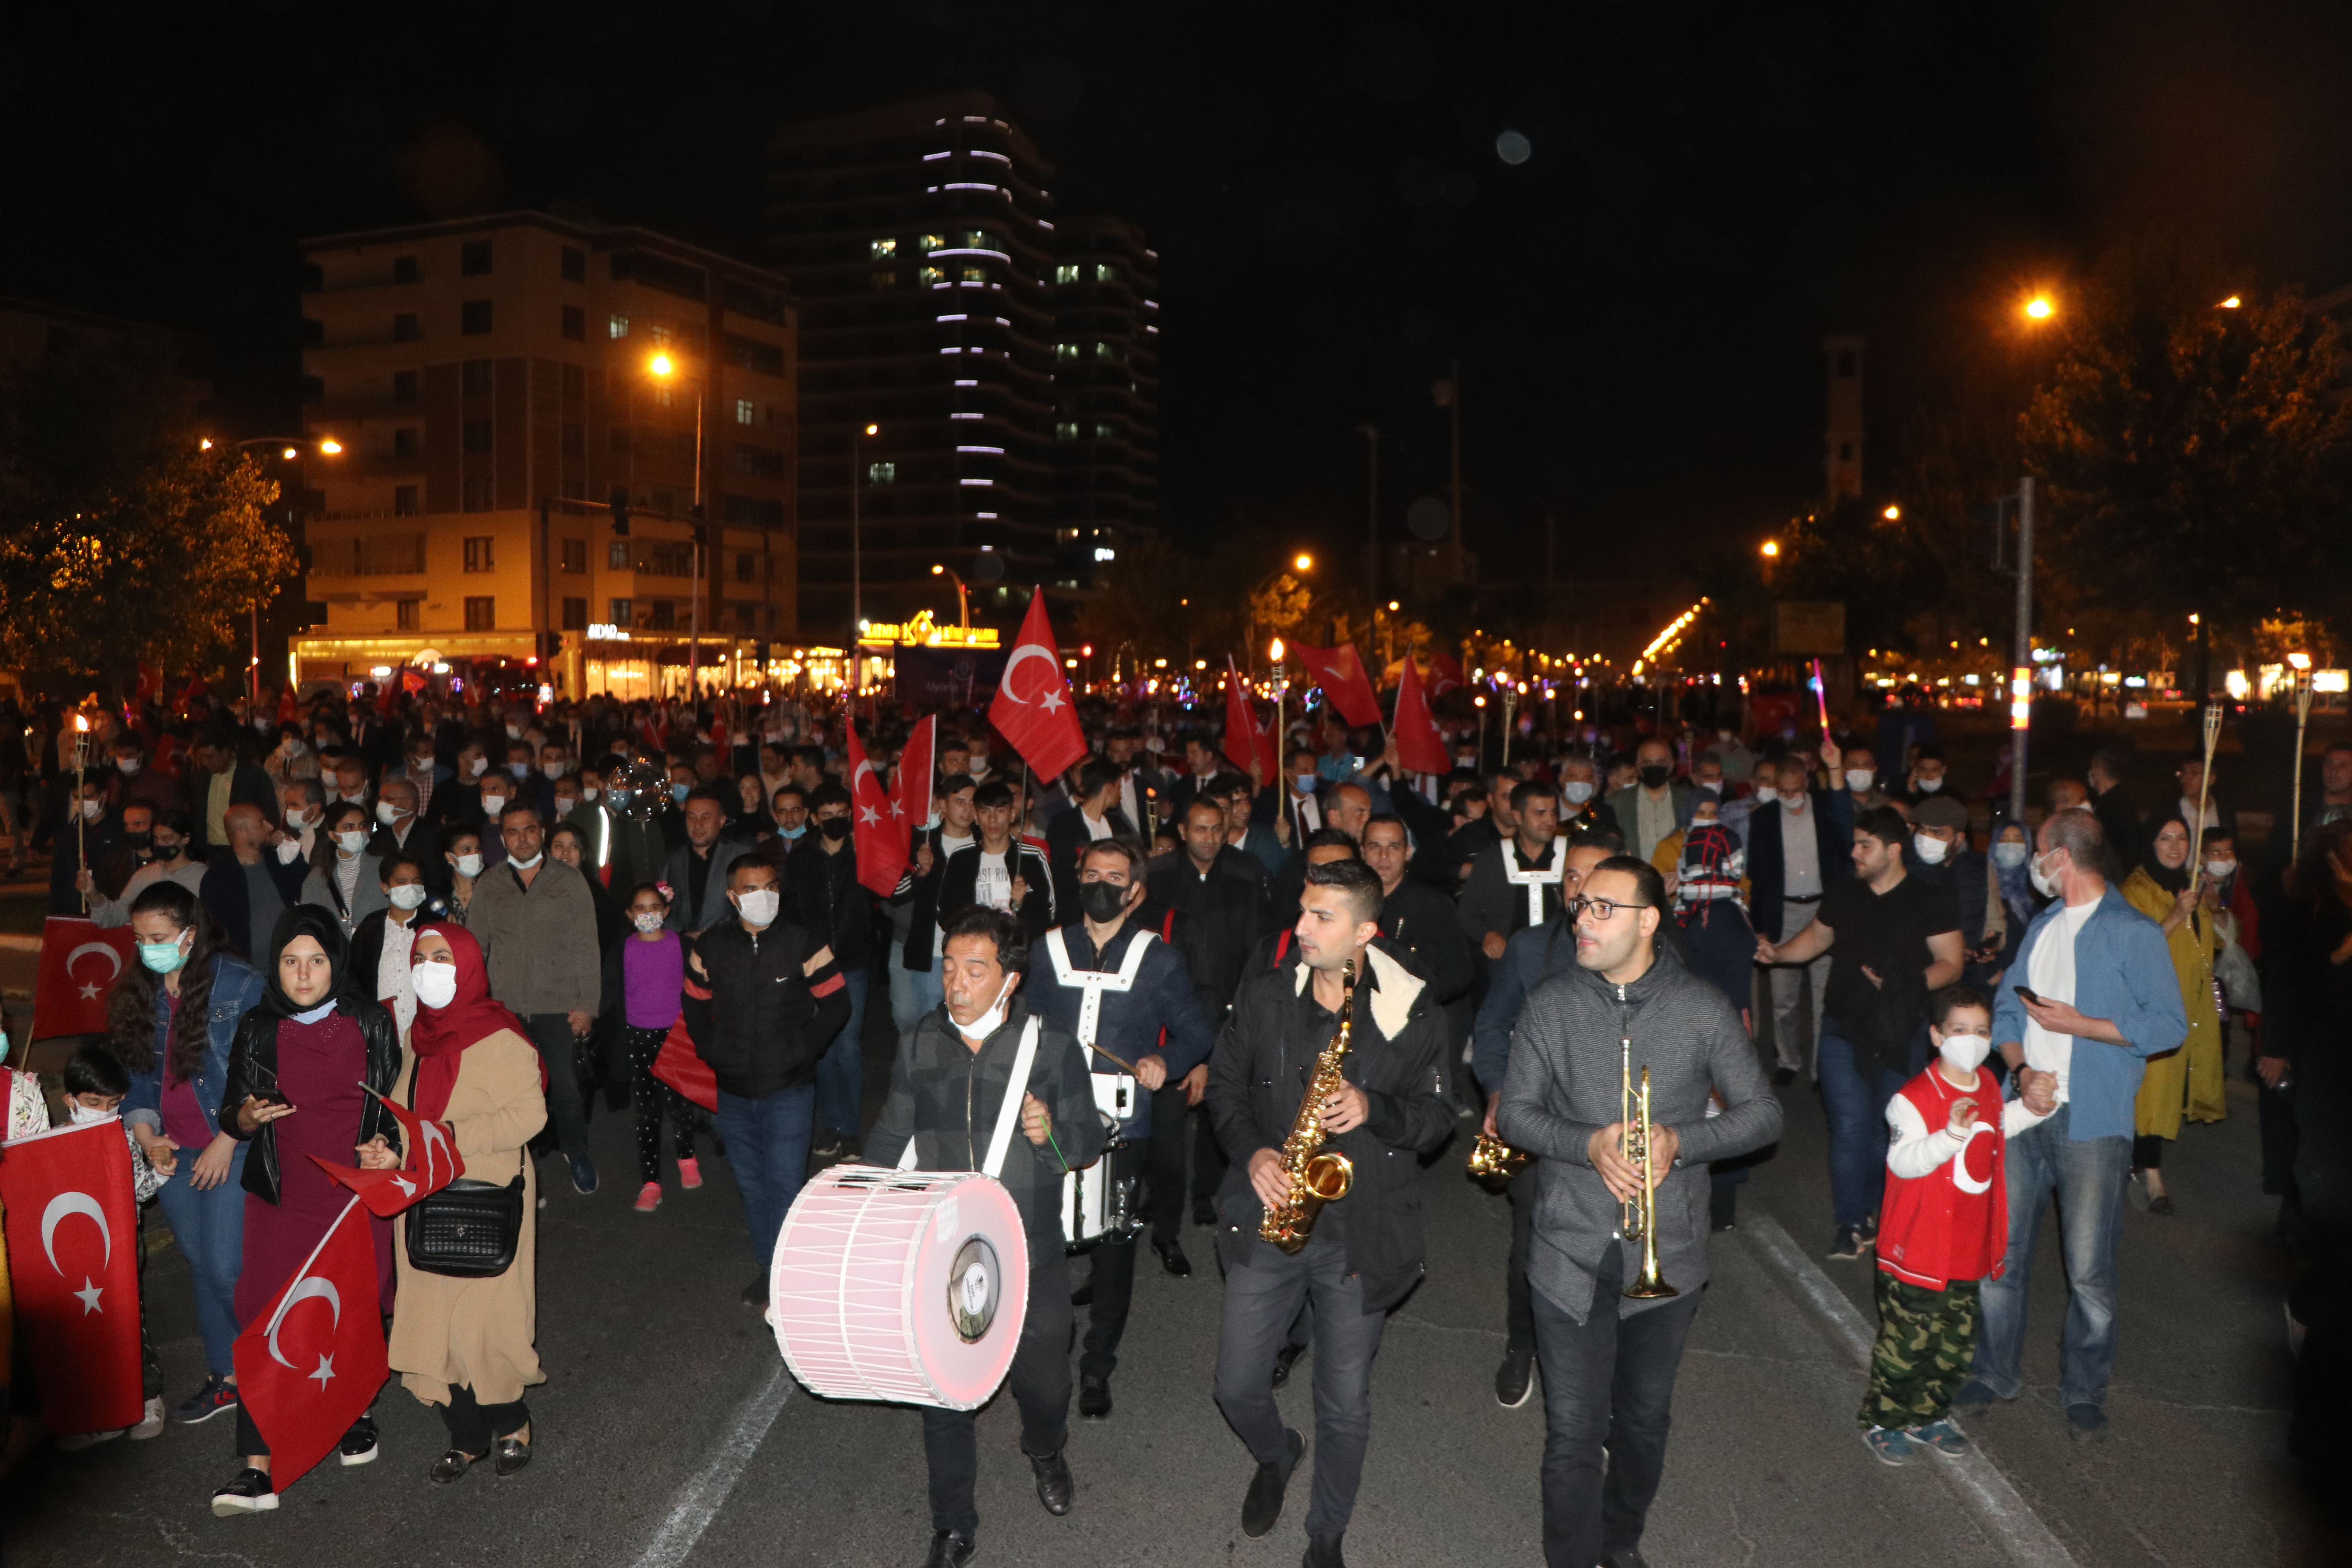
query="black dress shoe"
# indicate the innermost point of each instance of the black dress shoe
(513, 1454)
(1053, 1484)
(1263, 1505)
(1083, 1296)
(1784, 1077)
(755, 1294)
(450, 1466)
(1322, 1551)
(1284, 1360)
(951, 1549)
(1172, 1259)
(1204, 1212)
(1094, 1398)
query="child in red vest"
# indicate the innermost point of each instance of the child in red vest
(1943, 1228)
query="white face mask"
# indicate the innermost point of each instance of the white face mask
(555, 770)
(521, 865)
(90, 808)
(1964, 1053)
(127, 766)
(987, 1023)
(1712, 786)
(435, 984)
(2044, 882)
(589, 792)
(494, 805)
(83, 1115)
(2221, 871)
(1576, 791)
(408, 896)
(350, 843)
(1931, 850)
(470, 865)
(478, 766)
(1930, 786)
(649, 922)
(386, 813)
(2008, 854)
(1859, 780)
(566, 805)
(1767, 796)
(760, 906)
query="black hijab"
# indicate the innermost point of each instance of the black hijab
(310, 920)
(2171, 878)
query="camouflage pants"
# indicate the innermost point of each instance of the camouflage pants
(1926, 1343)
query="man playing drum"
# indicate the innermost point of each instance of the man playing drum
(952, 1074)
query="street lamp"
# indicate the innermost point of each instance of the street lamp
(663, 367)
(856, 578)
(2040, 309)
(963, 595)
(289, 448)
(1302, 562)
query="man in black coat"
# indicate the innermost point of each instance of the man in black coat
(216, 780)
(1365, 1250)
(822, 875)
(1094, 816)
(1423, 920)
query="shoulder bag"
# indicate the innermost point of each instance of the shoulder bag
(468, 1230)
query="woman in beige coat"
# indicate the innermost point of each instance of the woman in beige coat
(469, 1345)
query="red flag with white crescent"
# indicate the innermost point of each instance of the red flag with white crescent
(910, 799)
(1420, 747)
(1034, 711)
(1246, 743)
(882, 851)
(73, 1251)
(1340, 671)
(80, 961)
(1445, 673)
(429, 1160)
(309, 1364)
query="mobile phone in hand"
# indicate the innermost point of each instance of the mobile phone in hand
(2029, 995)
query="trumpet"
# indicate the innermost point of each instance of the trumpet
(1495, 1163)
(1638, 1218)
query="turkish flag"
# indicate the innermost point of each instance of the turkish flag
(879, 823)
(78, 964)
(1042, 725)
(73, 1248)
(910, 802)
(309, 1365)
(429, 1162)
(1245, 745)
(1420, 747)
(1340, 673)
(1445, 673)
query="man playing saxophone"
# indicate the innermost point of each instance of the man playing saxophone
(1608, 1357)
(1363, 1250)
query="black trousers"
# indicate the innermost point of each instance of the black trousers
(1112, 1281)
(1173, 1123)
(567, 1107)
(1518, 1297)
(1608, 1387)
(1041, 1386)
(475, 1427)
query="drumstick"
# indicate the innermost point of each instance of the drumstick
(1124, 1067)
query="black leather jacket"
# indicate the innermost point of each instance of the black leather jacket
(253, 1067)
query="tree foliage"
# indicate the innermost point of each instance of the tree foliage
(2192, 454)
(121, 542)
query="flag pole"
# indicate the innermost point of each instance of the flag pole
(2294, 784)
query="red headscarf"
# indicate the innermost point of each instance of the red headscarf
(439, 1035)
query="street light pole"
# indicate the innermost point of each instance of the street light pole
(2021, 681)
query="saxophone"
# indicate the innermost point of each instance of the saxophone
(1317, 1175)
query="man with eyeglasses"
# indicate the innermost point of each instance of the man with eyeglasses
(1609, 1361)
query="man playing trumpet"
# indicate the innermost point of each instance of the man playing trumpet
(1584, 1039)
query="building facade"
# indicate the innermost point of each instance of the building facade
(561, 443)
(978, 386)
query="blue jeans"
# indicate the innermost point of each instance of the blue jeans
(209, 1226)
(1856, 1102)
(768, 1149)
(841, 1071)
(2086, 1175)
(913, 992)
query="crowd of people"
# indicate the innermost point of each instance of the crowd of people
(500, 912)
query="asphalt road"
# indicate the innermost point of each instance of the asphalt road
(668, 1434)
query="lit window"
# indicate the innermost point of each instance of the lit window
(883, 248)
(659, 336)
(1102, 351)
(621, 612)
(620, 326)
(616, 559)
(932, 275)
(482, 613)
(1067, 272)
(745, 413)
(1066, 350)
(975, 274)
(1067, 430)
(1105, 272)
(886, 280)
(1105, 431)
(1105, 552)
(477, 555)
(931, 242)
(881, 473)
(973, 238)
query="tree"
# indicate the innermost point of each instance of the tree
(120, 541)
(2191, 451)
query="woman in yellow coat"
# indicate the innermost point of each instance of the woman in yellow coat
(470, 1345)
(2186, 1082)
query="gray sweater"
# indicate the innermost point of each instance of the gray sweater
(1564, 1086)
(541, 945)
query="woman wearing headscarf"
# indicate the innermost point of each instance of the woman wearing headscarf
(2188, 1082)
(294, 1088)
(470, 1345)
(345, 874)
(2008, 864)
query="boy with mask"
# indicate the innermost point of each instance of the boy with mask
(821, 879)
(1945, 1229)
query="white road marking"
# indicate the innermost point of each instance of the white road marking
(1984, 1491)
(700, 1500)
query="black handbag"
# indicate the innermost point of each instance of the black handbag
(468, 1230)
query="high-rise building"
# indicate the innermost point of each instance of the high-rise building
(977, 384)
(1842, 442)
(531, 411)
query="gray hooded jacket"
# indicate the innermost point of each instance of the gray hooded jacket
(1564, 1086)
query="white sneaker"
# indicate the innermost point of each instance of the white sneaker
(151, 1423)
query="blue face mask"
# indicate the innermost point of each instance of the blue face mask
(678, 791)
(163, 957)
(795, 832)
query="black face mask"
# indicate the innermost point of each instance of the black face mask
(168, 851)
(1655, 775)
(834, 827)
(1101, 901)
(139, 841)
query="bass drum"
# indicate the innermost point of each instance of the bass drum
(904, 1285)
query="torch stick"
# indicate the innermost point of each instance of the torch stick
(81, 839)
(1510, 707)
(2295, 788)
(2204, 788)
(1822, 697)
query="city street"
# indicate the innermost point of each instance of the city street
(670, 1434)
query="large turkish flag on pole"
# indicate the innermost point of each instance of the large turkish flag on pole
(1247, 746)
(78, 963)
(1034, 711)
(1420, 747)
(875, 818)
(910, 799)
(308, 1366)
(1340, 671)
(73, 1253)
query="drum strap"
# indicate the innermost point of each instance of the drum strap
(1535, 881)
(1008, 1114)
(1095, 982)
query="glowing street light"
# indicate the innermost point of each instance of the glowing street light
(205, 444)
(2040, 309)
(1303, 562)
(1892, 514)
(662, 364)
(330, 446)
(1771, 550)
(2232, 304)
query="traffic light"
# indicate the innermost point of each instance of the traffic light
(620, 505)
(551, 645)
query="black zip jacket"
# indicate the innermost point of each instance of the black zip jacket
(831, 900)
(771, 1017)
(253, 1069)
(1258, 1074)
(945, 1096)
(1223, 915)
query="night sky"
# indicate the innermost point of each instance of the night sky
(1637, 307)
